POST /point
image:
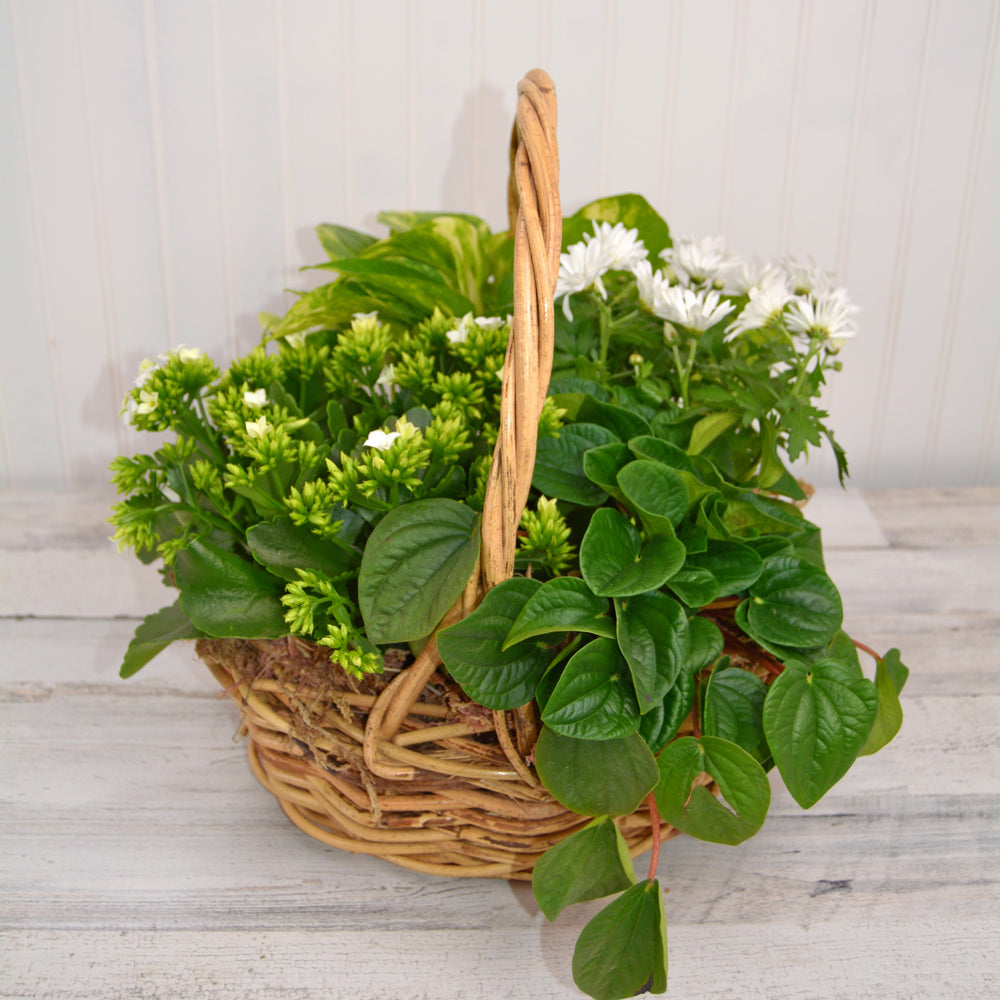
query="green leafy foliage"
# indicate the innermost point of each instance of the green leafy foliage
(589, 864)
(565, 604)
(817, 718)
(417, 562)
(155, 633)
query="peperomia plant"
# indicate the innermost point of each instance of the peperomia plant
(670, 616)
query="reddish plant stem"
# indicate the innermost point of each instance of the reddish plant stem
(871, 652)
(654, 817)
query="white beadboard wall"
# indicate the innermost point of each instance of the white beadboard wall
(162, 165)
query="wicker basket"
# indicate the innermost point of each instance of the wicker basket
(403, 765)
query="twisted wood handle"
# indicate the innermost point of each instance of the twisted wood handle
(536, 224)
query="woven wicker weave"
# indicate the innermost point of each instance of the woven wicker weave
(402, 765)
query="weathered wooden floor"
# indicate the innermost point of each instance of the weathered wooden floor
(141, 859)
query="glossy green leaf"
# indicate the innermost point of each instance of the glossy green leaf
(734, 710)
(601, 466)
(622, 951)
(559, 464)
(625, 423)
(283, 547)
(632, 210)
(226, 596)
(705, 642)
(695, 586)
(416, 563)
(565, 604)
(593, 699)
(691, 807)
(615, 561)
(653, 638)
(817, 718)
(793, 603)
(596, 777)
(588, 864)
(733, 565)
(709, 428)
(474, 653)
(658, 450)
(890, 676)
(656, 492)
(154, 634)
(661, 725)
(340, 241)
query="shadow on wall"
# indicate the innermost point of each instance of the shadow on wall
(475, 178)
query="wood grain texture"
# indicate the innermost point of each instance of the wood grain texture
(142, 860)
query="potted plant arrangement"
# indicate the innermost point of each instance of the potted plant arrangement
(483, 622)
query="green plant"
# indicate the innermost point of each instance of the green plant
(329, 485)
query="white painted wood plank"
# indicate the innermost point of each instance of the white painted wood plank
(33, 449)
(921, 316)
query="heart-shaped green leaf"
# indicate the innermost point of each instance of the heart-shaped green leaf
(890, 676)
(695, 586)
(692, 808)
(656, 492)
(596, 777)
(588, 864)
(624, 423)
(559, 464)
(473, 649)
(705, 641)
(284, 547)
(602, 465)
(817, 717)
(565, 604)
(653, 637)
(416, 563)
(616, 563)
(593, 699)
(734, 708)
(793, 603)
(661, 725)
(226, 596)
(622, 951)
(154, 634)
(734, 566)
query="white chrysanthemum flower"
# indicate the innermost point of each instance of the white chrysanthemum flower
(147, 401)
(146, 369)
(189, 353)
(829, 316)
(807, 279)
(255, 400)
(580, 268)
(257, 428)
(386, 382)
(380, 439)
(697, 261)
(767, 303)
(649, 284)
(621, 248)
(693, 310)
(741, 275)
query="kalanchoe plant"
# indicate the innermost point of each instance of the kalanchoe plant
(670, 615)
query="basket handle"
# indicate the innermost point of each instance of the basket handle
(536, 222)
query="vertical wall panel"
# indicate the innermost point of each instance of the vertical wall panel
(35, 452)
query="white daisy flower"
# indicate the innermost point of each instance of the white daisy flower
(257, 428)
(827, 317)
(649, 284)
(147, 401)
(380, 439)
(621, 248)
(580, 268)
(255, 400)
(697, 261)
(767, 302)
(807, 279)
(693, 310)
(742, 275)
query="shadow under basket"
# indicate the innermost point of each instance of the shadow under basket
(443, 798)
